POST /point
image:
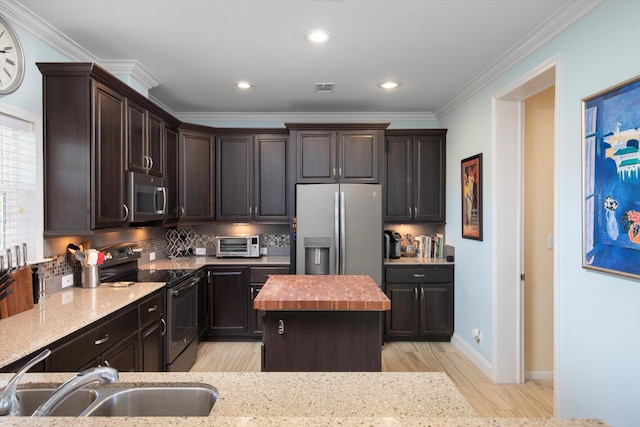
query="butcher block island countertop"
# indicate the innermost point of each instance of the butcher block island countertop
(318, 323)
(307, 292)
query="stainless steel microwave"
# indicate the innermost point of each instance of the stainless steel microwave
(146, 197)
(242, 246)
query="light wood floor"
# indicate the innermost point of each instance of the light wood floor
(534, 399)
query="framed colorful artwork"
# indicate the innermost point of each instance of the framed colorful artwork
(471, 170)
(611, 180)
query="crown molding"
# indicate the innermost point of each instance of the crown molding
(570, 13)
(45, 31)
(305, 117)
(131, 68)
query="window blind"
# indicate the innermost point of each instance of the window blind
(18, 193)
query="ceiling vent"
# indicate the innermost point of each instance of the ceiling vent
(324, 87)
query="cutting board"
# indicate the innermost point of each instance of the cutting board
(21, 297)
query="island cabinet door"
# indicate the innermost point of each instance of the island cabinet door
(321, 341)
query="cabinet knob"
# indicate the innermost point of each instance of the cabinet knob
(281, 327)
(164, 327)
(415, 293)
(126, 211)
(152, 309)
(419, 275)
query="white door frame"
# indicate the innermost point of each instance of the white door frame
(507, 211)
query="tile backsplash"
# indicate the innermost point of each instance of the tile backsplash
(161, 241)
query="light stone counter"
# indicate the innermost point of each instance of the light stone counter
(195, 262)
(310, 399)
(62, 314)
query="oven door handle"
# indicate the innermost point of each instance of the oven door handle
(188, 285)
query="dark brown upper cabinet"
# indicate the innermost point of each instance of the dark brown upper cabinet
(145, 140)
(171, 173)
(86, 125)
(415, 175)
(252, 176)
(196, 189)
(350, 153)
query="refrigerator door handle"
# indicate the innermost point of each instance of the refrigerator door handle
(343, 234)
(336, 231)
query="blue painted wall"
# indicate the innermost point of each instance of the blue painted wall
(599, 315)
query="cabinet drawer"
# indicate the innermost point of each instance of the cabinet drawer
(261, 274)
(443, 274)
(93, 341)
(151, 308)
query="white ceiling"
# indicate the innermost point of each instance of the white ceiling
(440, 50)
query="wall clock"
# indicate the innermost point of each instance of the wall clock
(11, 59)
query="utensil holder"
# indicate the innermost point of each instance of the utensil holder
(90, 277)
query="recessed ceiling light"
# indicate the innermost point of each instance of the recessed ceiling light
(389, 85)
(318, 36)
(244, 85)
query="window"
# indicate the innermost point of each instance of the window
(21, 213)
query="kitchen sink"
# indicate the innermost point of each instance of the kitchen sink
(126, 401)
(155, 401)
(31, 398)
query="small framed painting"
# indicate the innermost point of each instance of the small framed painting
(471, 169)
(611, 180)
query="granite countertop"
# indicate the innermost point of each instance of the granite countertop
(63, 313)
(195, 262)
(416, 261)
(304, 398)
(311, 292)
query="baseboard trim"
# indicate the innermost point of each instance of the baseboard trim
(538, 375)
(473, 355)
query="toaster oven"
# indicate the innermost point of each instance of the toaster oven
(243, 246)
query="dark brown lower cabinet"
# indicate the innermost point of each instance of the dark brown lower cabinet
(152, 347)
(322, 341)
(122, 356)
(228, 301)
(421, 303)
(131, 339)
(230, 296)
(151, 312)
(97, 343)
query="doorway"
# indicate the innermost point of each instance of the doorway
(538, 235)
(508, 211)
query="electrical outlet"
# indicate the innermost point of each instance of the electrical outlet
(477, 336)
(67, 280)
(152, 256)
(201, 251)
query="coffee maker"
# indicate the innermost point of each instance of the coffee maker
(392, 240)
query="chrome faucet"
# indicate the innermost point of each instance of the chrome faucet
(102, 374)
(9, 405)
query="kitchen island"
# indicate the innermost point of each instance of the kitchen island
(321, 323)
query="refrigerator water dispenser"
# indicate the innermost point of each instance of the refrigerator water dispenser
(316, 255)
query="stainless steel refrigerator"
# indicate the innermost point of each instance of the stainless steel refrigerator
(339, 229)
